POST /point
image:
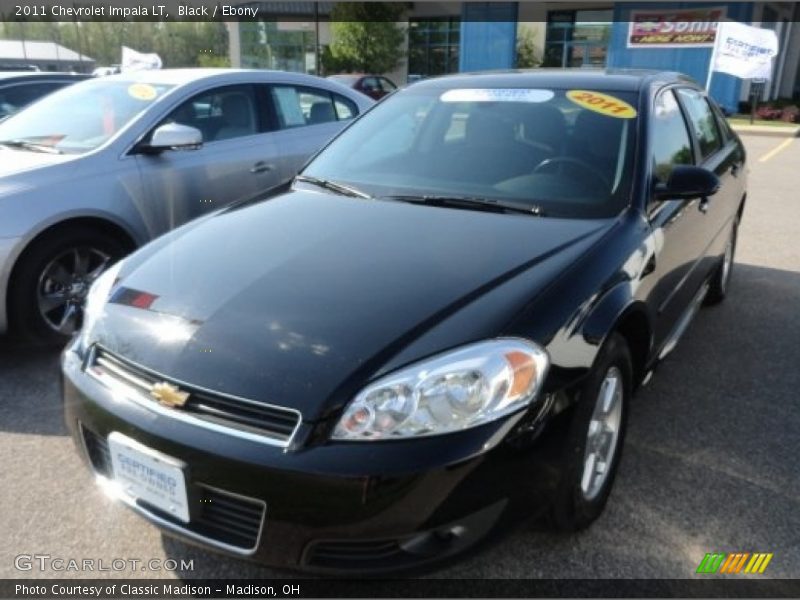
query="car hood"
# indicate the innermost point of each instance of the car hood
(286, 300)
(16, 161)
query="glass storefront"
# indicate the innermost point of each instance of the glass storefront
(287, 46)
(577, 38)
(433, 45)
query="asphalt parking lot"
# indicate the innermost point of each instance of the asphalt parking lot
(711, 461)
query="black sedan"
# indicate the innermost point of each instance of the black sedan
(438, 328)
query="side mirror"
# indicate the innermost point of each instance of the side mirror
(687, 182)
(174, 136)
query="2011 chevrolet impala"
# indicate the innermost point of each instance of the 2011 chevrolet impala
(438, 326)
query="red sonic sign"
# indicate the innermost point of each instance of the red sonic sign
(683, 28)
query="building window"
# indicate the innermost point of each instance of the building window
(433, 46)
(286, 46)
(577, 38)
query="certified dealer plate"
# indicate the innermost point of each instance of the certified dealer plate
(147, 475)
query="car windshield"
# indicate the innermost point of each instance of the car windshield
(80, 117)
(564, 153)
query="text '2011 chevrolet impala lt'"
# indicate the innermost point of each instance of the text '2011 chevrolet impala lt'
(438, 327)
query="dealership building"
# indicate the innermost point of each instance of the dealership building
(450, 37)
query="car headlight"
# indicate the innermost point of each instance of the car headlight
(96, 299)
(456, 390)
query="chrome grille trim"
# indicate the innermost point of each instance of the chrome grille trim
(110, 371)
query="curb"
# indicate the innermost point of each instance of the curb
(767, 131)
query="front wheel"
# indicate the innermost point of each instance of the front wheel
(52, 278)
(595, 438)
(718, 286)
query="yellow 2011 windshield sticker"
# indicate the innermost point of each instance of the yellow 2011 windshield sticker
(142, 91)
(602, 103)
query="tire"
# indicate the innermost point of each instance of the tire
(37, 282)
(580, 498)
(720, 281)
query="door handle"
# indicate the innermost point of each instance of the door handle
(703, 206)
(261, 167)
(735, 169)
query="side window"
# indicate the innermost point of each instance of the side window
(703, 122)
(301, 106)
(671, 144)
(722, 124)
(345, 108)
(387, 85)
(370, 84)
(220, 114)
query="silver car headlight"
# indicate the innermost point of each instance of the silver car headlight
(450, 392)
(96, 300)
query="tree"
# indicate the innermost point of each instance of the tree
(180, 44)
(527, 56)
(366, 37)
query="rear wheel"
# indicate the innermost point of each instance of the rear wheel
(595, 438)
(718, 287)
(52, 278)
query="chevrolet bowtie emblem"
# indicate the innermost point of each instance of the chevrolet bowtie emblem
(169, 395)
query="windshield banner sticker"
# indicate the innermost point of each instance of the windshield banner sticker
(497, 95)
(602, 103)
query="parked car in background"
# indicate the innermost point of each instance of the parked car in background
(374, 86)
(106, 71)
(99, 168)
(17, 67)
(20, 88)
(440, 327)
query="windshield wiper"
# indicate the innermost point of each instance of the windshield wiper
(339, 188)
(32, 146)
(471, 203)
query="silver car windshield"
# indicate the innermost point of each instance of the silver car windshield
(80, 117)
(566, 153)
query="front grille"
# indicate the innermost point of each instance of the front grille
(224, 517)
(250, 418)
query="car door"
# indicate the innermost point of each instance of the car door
(306, 119)
(679, 226)
(720, 152)
(238, 157)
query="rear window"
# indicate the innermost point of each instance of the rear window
(298, 106)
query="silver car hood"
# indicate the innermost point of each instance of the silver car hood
(16, 161)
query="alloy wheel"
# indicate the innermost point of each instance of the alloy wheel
(602, 435)
(727, 264)
(64, 284)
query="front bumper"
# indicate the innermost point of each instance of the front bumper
(374, 506)
(9, 248)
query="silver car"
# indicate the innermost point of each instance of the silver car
(93, 171)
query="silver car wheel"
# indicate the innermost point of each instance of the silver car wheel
(602, 435)
(63, 286)
(727, 264)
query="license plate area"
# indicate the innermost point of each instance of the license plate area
(148, 475)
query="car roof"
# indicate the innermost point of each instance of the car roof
(7, 76)
(184, 76)
(596, 79)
